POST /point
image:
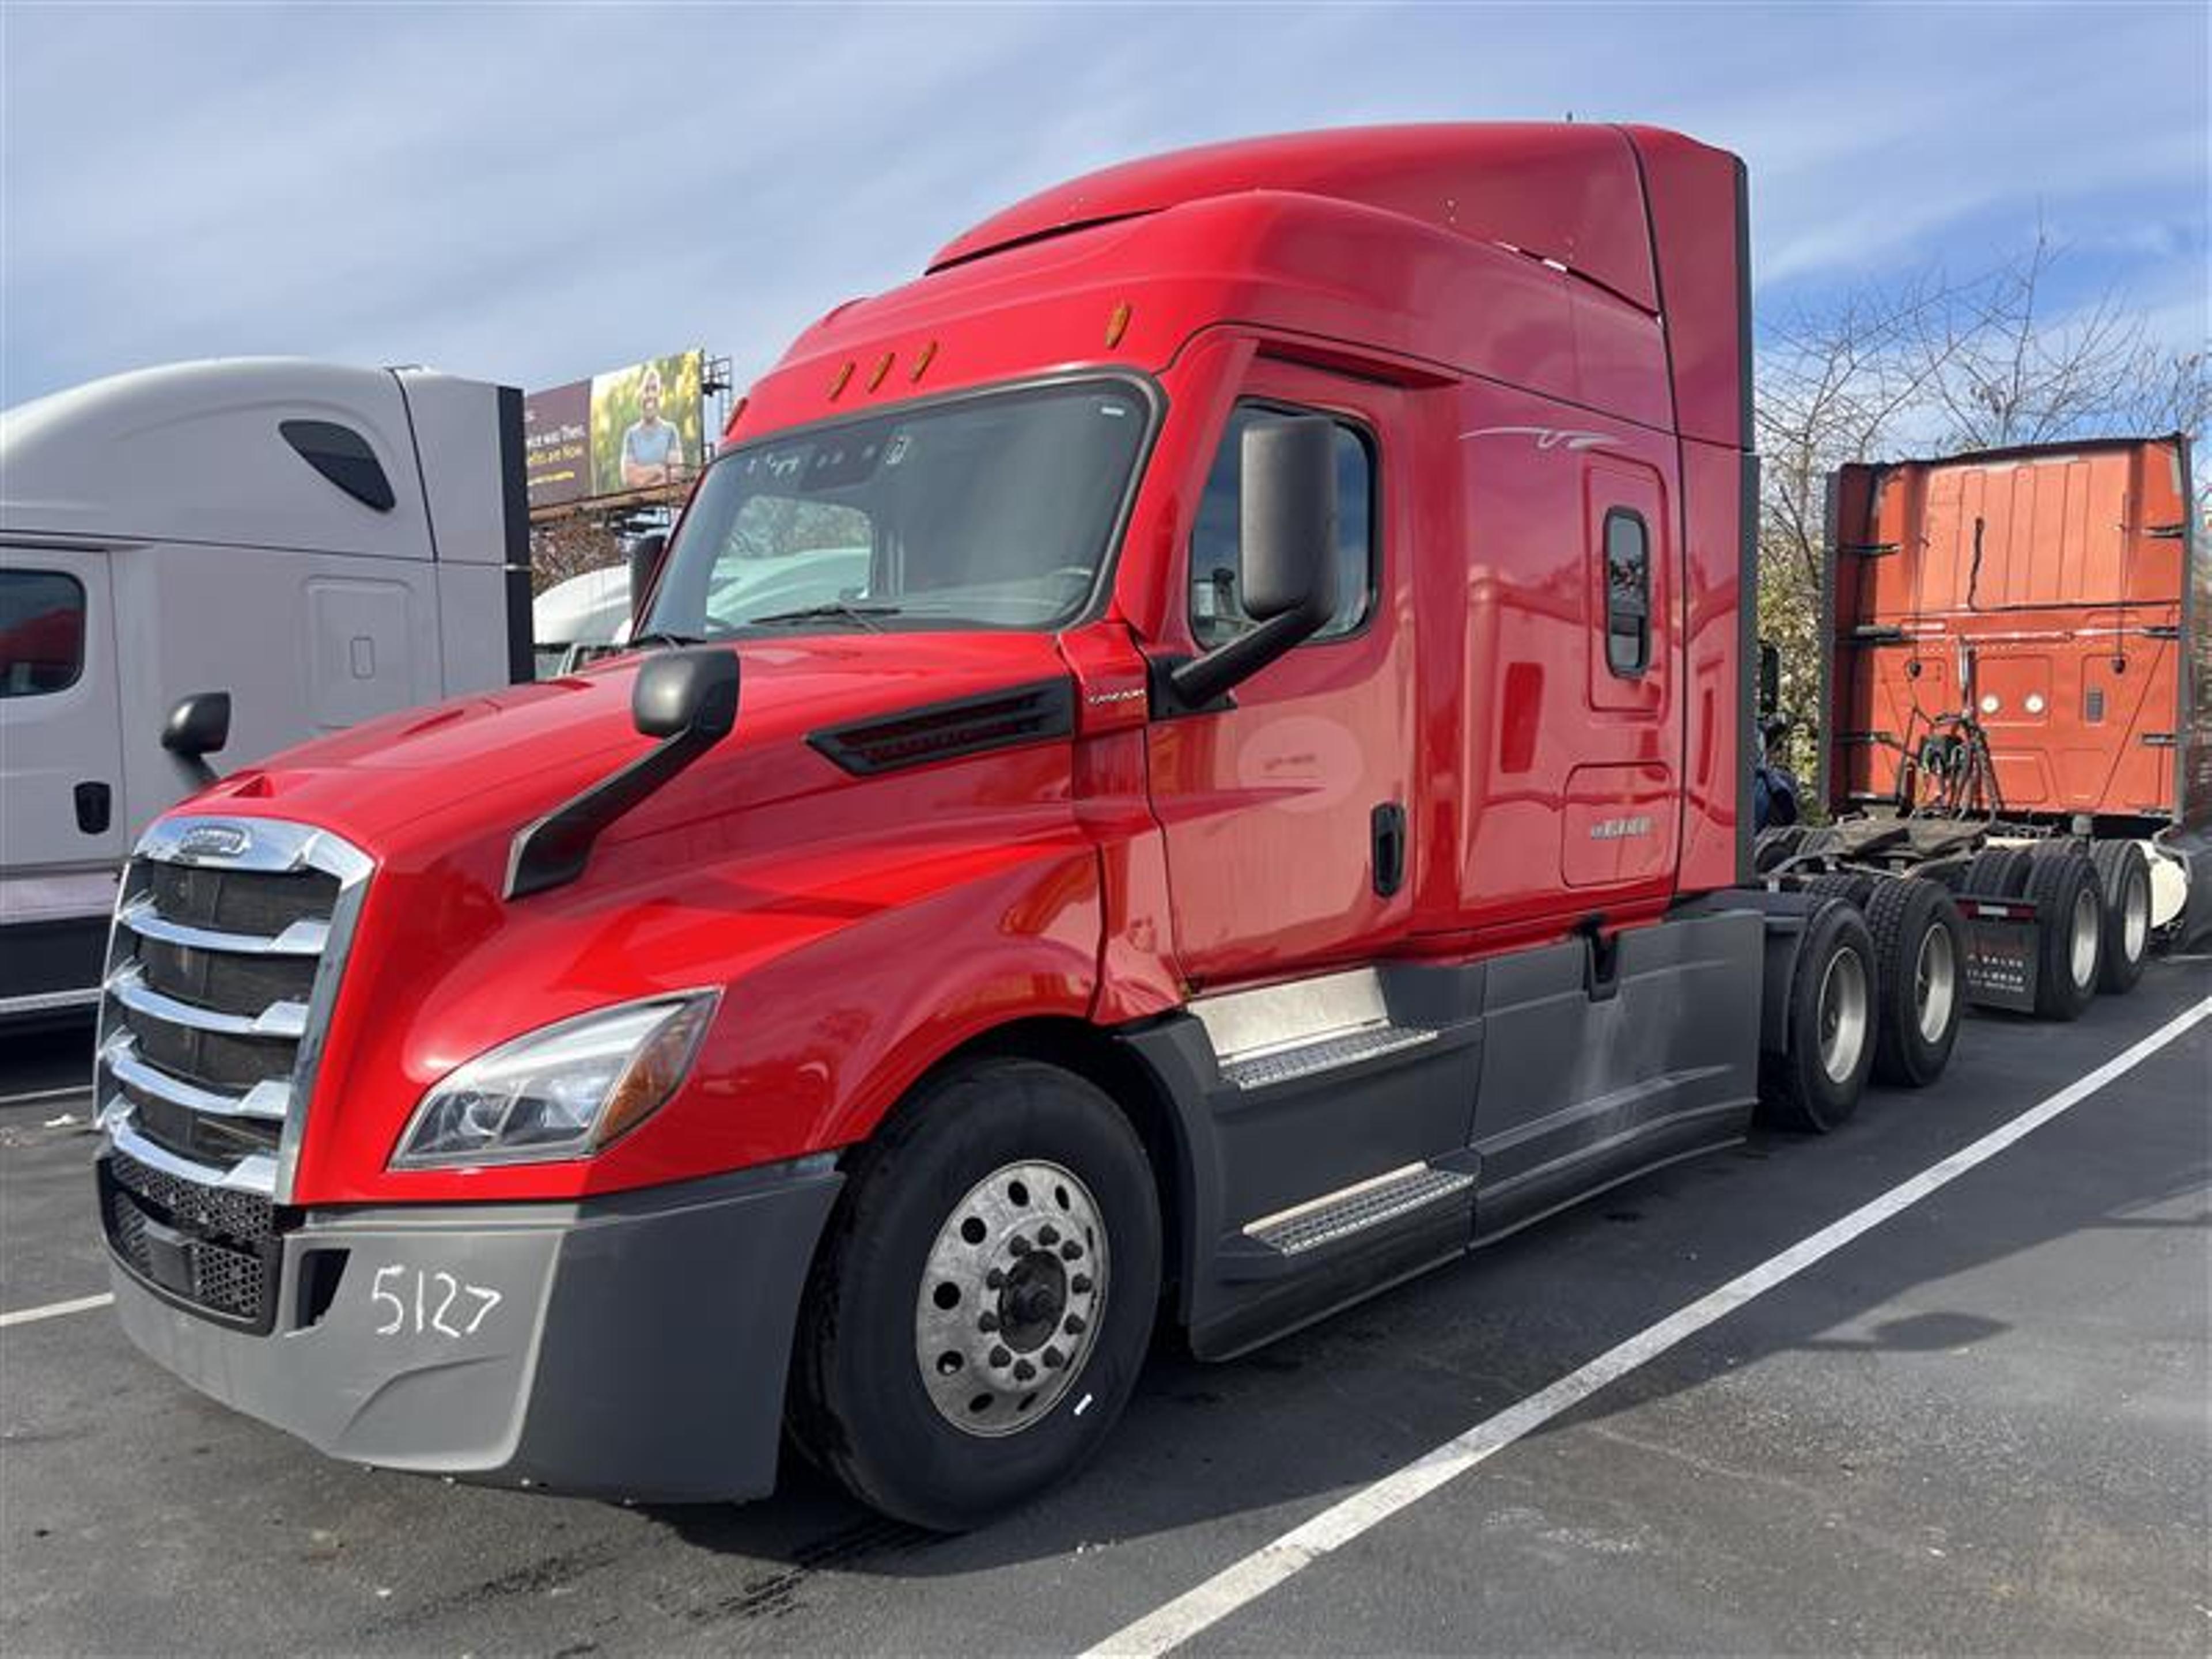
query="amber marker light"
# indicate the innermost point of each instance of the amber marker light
(876, 375)
(839, 381)
(1117, 324)
(922, 361)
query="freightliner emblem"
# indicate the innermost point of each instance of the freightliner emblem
(214, 841)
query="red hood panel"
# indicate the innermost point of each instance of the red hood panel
(413, 780)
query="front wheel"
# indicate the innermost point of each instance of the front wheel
(980, 1312)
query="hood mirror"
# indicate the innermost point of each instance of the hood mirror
(198, 726)
(689, 699)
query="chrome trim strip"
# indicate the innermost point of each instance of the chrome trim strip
(268, 1099)
(304, 938)
(278, 1019)
(255, 1173)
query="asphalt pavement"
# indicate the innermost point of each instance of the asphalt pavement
(1981, 1426)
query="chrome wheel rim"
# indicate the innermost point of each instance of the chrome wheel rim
(2135, 915)
(2084, 950)
(1843, 1015)
(1007, 1311)
(1934, 983)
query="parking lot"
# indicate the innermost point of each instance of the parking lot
(1979, 1425)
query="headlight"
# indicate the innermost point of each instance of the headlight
(564, 1091)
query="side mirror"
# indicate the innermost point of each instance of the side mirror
(686, 694)
(198, 726)
(1287, 549)
(1770, 678)
(646, 553)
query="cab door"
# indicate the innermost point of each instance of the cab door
(1287, 815)
(61, 734)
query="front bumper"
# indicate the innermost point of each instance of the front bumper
(631, 1346)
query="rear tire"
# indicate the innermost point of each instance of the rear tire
(2069, 934)
(1920, 962)
(2123, 876)
(929, 1374)
(1815, 1083)
(1853, 887)
(1996, 872)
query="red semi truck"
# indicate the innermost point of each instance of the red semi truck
(1193, 760)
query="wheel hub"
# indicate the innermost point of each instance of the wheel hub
(1007, 1310)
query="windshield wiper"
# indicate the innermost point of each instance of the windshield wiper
(660, 637)
(864, 615)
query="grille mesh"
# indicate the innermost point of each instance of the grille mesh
(240, 901)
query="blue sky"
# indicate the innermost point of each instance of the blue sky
(530, 193)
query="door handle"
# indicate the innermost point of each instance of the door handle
(95, 807)
(1387, 828)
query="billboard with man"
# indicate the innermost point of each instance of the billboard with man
(632, 428)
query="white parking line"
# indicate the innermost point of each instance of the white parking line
(56, 1310)
(37, 1095)
(1245, 1580)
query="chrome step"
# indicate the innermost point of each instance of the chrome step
(1370, 1203)
(1286, 1065)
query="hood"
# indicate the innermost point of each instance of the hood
(410, 785)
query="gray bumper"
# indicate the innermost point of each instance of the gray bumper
(631, 1346)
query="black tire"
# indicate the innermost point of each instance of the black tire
(2070, 935)
(860, 1404)
(1774, 846)
(1997, 873)
(2123, 876)
(1920, 966)
(1801, 1088)
(1853, 887)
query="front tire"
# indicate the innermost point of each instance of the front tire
(980, 1312)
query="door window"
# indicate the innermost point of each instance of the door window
(41, 632)
(1627, 593)
(1217, 610)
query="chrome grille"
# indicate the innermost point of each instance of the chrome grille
(230, 939)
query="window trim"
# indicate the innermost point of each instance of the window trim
(83, 632)
(1369, 441)
(1605, 569)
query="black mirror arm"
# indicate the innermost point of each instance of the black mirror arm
(553, 851)
(1203, 681)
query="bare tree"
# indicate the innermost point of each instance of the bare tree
(1926, 365)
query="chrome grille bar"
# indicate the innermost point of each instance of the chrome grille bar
(127, 985)
(304, 938)
(270, 1099)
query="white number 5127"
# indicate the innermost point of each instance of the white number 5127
(422, 1299)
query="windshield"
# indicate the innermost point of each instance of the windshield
(992, 512)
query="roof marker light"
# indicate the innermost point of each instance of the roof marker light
(927, 355)
(1117, 324)
(883, 367)
(838, 382)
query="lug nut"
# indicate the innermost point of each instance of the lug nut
(1048, 1234)
(987, 1322)
(1018, 1245)
(1080, 1283)
(1071, 1251)
(1072, 1324)
(1054, 1359)
(1000, 1356)
(1024, 1370)
(994, 1280)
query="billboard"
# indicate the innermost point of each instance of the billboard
(632, 428)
